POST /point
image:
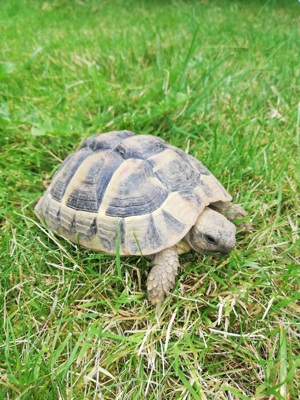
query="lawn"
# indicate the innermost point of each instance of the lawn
(218, 78)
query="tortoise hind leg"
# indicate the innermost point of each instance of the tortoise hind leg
(161, 278)
(233, 212)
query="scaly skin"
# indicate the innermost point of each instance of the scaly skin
(161, 278)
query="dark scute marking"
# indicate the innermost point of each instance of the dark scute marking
(45, 208)
(140, 147)
(102, 171)
(53, 215)
(90, 232)
(129, 153)
(89, 193)
(83, 198)
(153, 237)
(129, 206)
(134, 247)
(106, 141)
(202, 169)
(58, 217)
(137, 195)
(196, 164)
(172, 223)
(122, 233)
(72, 230)
(191, 197)
(107, 238)
(206, 188)
(93, 227)
(66, 171)
(178, 174)
(108, 244)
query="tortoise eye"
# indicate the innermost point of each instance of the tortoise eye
(210, 239)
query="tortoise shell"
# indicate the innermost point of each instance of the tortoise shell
(135, 192)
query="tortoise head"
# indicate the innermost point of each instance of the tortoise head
(212, 233)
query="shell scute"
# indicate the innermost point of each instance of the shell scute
(153, 238)
(140, 147)
(196, 164)
(52, 213)
(88, 186)
(173, 171)
(106, 141)
(172, 223)
(134, 190)
(86, 226)
(64, 175)
(108, 232)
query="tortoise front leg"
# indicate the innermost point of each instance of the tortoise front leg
(233, 212)
(161, 278)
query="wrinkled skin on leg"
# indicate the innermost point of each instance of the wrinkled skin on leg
(161, 278)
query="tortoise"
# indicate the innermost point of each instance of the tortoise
(139, 195)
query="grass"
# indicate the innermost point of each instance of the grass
(220, 78)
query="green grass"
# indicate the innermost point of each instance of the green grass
(218, 77)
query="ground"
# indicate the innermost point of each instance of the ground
(219, 79)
